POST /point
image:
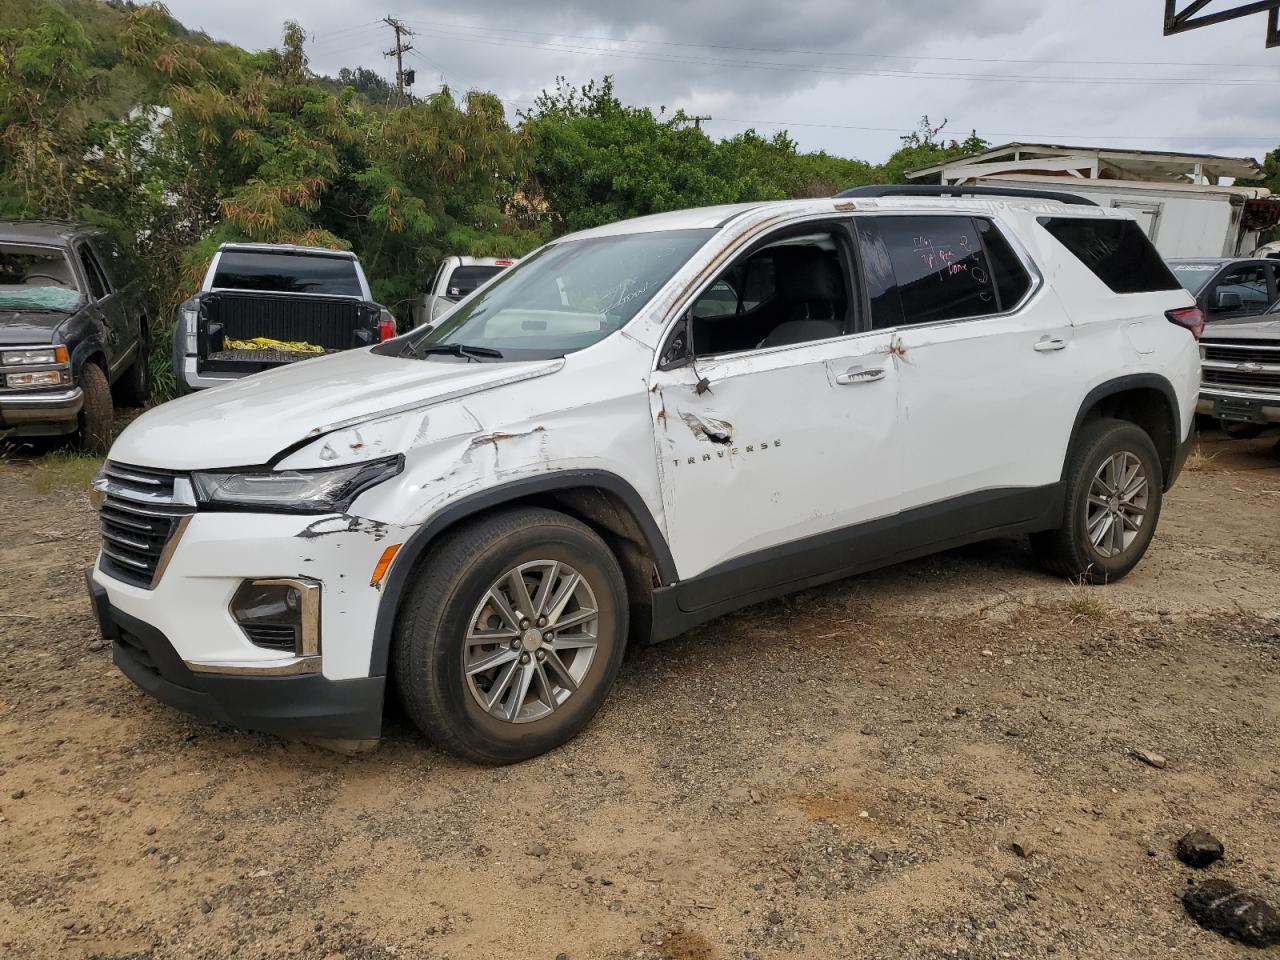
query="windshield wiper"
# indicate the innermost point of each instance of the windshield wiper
(459, 350)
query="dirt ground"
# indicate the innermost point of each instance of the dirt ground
(840, 774)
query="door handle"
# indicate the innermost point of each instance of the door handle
(860, 375)
(1049, 344)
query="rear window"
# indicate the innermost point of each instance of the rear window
(1193, 276)
(287, 273)
(464, 280)
(1117, 251)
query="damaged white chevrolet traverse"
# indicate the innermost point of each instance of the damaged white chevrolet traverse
(639, 428)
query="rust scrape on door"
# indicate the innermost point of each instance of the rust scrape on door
(709, 428)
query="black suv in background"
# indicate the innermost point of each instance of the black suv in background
(72, 331)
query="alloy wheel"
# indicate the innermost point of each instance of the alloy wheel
(531, 640)
(1117, 505)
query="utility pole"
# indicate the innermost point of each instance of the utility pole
(697, 121)
(403, 79)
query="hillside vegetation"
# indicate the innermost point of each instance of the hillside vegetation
(114, 112)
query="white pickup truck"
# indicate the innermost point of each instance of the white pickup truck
(454, 280)
(265, 305)
(639, 428)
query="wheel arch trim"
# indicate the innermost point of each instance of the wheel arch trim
(1125, 384)
(407, 559)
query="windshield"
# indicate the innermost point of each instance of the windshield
(565, 297)
(270, 272)
(1193, 276)
(36, 278)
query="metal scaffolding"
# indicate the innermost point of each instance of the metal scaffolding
(1181, 20)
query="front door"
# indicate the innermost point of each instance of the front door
(783, 428)
(120, 342)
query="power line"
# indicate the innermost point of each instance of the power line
(851, 72)
(840, 53)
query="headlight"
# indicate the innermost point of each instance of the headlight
(328, 490)
(41, 378)
(33, 356)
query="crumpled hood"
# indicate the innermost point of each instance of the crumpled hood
(248, 422)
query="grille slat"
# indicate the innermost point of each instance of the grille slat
(142, 512)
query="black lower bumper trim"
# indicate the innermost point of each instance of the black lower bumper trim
(1180, 459)
(306, 707)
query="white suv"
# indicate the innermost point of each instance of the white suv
(641, 427)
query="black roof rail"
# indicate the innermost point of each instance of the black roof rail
(932, 190)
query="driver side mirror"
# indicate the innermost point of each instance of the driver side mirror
(1228, 300)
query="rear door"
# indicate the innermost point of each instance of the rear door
(983, 358)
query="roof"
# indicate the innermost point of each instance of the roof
(1152, 162)
(288, 248)
(42, 231)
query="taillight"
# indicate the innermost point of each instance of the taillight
(1190, 317)
(386, 329)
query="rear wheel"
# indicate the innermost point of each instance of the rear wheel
(1115, 488)
(97, 414)
(512, 636)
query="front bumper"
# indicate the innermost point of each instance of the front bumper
(41, 412)
(306, 706)
(1238, 406)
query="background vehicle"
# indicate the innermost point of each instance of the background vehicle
(456, 278)
(1227, 289)
(297, 302)
(73, 330)
(1240, 385)
(585, 453)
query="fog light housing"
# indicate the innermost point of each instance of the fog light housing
(280, 614)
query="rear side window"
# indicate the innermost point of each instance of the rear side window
(464, 280)
(1117, 251)
(287, 273)
(928, 269)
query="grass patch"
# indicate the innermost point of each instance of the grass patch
(1083, 605)
(1199, 460)
(64, 470)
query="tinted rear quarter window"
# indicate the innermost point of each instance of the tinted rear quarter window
(287, 273)
(1117, 251)
(465, 280)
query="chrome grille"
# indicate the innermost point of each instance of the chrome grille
(1251, 366)
(142, 514)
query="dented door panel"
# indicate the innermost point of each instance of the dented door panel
(760, 449)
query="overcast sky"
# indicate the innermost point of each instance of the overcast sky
(846, 77)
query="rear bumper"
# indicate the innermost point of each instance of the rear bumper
(193, 379)
(41, 411)
(308, 706)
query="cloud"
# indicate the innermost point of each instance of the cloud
(846, 77)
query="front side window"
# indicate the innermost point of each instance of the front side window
(565, 297)
(932, 269)
(1117, 251)
(270, 272)
(791, 291)
(92, 273)
(1240, 292)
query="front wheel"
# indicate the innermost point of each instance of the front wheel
(512, 636)
(1115, 488)
(96, 413)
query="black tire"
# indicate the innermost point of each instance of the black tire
(133, 388)
(1069, 550)
(454, 579)
(97, 414)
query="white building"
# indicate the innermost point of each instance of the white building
(1191, 205)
